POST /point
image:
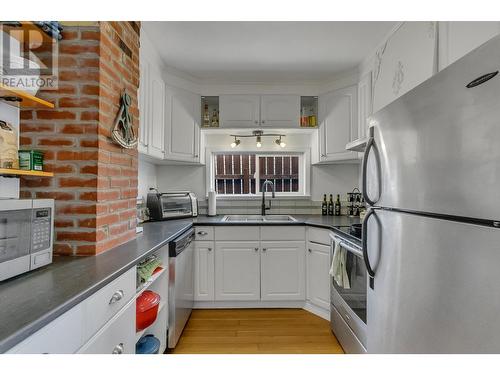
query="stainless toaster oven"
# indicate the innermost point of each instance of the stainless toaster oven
(171, 205)
(26, 235)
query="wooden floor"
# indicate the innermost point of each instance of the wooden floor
(256, 331)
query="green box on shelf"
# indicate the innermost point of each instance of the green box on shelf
(31, 160)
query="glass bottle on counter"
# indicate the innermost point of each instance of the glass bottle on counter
(338, 207)
(330, 206)
(324, 206)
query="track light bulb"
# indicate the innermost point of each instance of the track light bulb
(235, 143)
(280, 142)
(259, 141)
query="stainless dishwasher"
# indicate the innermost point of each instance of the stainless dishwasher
(180, 284)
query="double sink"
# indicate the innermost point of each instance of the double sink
(259, 219)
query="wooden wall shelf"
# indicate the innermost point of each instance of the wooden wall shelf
(23, 172)
(36, 38)
(27, 100)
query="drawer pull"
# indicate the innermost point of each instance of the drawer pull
(209, 249)
(264, 249)
(202, 233)
(309, 250)
(118, 295)
(118, 349)
(256, 249)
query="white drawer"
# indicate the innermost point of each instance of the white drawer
(318, 235)
(237, 233)
(116, 337)
(106, 302)
(64, 335)
(282, 233)
(204, 233)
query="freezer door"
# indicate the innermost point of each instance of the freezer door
(439, 143)
(435, 286)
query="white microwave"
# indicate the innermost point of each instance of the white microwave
(26, 235)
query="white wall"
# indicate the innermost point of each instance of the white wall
(146, 177)
(182, 177)
(333, 179)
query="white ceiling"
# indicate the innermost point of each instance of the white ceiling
(265, 51)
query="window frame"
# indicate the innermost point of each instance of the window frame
(304, 172)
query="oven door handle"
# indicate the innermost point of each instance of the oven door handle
(351, 249)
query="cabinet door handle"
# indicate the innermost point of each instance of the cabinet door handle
(118, 295)
(323, 155)
(118, 349)
(209, 249)
(309, 250)
(264, 249)
(202, 233)
(256, 122)
(263, 121)
(256, 249)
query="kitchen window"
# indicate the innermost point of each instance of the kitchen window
(242, 174)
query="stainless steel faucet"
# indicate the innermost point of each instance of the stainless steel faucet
(264, 185)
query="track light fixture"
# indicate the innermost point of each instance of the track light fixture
(280, 142)
(235, 143)
(258, 134)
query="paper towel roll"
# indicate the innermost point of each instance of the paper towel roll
(212, 203)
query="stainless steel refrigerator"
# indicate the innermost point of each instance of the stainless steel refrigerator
(431, 174)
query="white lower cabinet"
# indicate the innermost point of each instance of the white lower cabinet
(237, 271)
(100, 307)
(64, 335)
(116, 337)
(318, 278)
(282, 270)
(204, 271)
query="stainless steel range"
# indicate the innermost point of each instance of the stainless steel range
(348, 302)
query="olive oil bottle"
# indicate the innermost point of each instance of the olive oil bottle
(330, 206)
(324, 206)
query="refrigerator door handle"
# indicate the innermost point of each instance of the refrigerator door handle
(369, 145)
(364, 242)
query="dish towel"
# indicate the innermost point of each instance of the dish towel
(338, 268)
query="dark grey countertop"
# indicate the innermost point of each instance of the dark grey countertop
(30, 301)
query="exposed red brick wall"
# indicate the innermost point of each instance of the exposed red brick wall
(95, 183)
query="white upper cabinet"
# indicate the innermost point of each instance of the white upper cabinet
(456, 39)
(279, 111)
(283, 270)
(156, 143)
(151, 111)
(338, 112)
(250, 111)
(143, 107)
(182, 125)
(364, 104)
(151, 103)
(239, 111)
(405, 60)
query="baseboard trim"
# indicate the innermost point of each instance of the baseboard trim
(306, 305)
(248, 304)
(316, 310)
